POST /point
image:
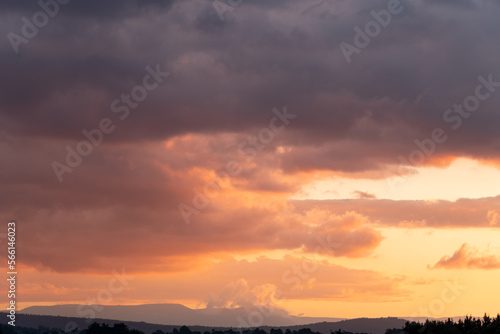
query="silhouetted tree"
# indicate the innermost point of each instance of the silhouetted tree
(469, 325)
(185, 330)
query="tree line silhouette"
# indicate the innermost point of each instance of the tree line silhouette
(96, 328)
(121, 328)
(469, 325)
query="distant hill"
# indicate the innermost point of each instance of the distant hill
(174, 314)
(362, 325)
(35, 321)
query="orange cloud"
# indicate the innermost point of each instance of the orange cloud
(239, 294)
(464, 212)
(306, 277)
(228, 283)
(469, 258)
(98, 222)
(493, 217)
(364, 195)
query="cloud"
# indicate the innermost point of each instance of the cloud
(120, 207)
(105, 221)
(99, 217)
(364, 195)
(310, 277)
(60, 85)
(106, 238)
(94, 9)
(227, 282)
(467, 257)
(464, 212)
(239, 294)
(493, 217)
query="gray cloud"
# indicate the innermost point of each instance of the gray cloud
(225, 78)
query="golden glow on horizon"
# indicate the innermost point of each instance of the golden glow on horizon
(402, 257)
(464, 178)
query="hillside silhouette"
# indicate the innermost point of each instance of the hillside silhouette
(469, 325)
(176, 314)
(34, 324)
(363, 325)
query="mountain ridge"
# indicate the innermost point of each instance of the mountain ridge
(167, 314)
(360, 325)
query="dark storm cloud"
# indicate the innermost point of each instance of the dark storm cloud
(468, 4)
(225, 77)
(91, 8)
(227, 74)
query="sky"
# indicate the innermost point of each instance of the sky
(330, 157)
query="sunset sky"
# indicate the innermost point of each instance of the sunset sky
(335, 158)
